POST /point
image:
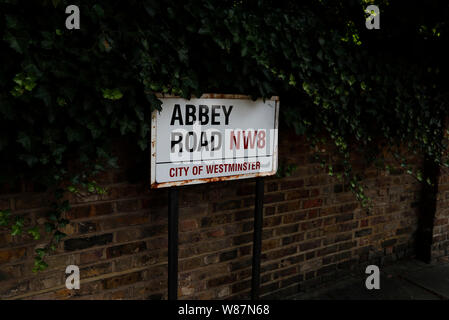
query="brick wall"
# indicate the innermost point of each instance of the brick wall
(440, 240)
(314, 231)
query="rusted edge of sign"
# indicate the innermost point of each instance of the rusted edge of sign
(215, 179)
(155, 185)
(216, 96)
(153, 149)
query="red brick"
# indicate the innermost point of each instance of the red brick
(89, 211)
(292, 184)
(87, 242)
(124, 249)
(119, 281)
(11, 255)
(188, 225)
(312, 203)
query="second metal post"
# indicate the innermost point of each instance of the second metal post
(257, 241)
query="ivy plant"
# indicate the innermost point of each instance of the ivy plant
(67, 95)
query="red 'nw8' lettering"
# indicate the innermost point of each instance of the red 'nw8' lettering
(248, 139)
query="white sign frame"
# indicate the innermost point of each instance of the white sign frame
(156, 185)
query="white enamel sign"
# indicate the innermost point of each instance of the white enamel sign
(213, 138)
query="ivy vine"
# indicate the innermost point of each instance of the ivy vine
(67, 95)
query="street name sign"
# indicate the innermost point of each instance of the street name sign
(215, 137)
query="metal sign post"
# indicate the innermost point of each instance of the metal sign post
(173, 222)
(173, 217)
(257, 241)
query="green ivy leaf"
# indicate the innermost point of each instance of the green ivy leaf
(5, 217)
(34, 232)
(49, 227)
(13, 42)
(112, 94)
(58, 236)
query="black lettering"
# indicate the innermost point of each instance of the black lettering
(216, 146)
(176, 137)
(215, 114)
(204, 142)
(227, 114)
(176, 115)
(190, 114)
(191, 147)
(204, 114)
